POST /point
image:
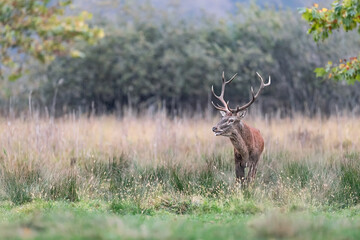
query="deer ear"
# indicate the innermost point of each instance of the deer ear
(222, 113)
(241, 114)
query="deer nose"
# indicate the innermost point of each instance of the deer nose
(214, 129)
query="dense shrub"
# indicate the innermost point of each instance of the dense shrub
(153, 58)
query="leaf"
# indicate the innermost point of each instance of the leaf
(302, 10)
(14, 76)
(32, 31)
(77, 54)
(357, 77)
(307, 16)
(351, 71)
(320, 72)
(351, 80)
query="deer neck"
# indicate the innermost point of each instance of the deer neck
(238, 138)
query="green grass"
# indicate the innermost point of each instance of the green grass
(302, 199)
(208, 220)
(89, 180)
(118, 199)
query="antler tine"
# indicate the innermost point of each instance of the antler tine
(232, 78)
(218, 107)
(221, 96)
(267, 84)
(253, 95)
(262, 84)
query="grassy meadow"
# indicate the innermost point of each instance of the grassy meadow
(154, 177)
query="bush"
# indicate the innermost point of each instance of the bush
(166, 61)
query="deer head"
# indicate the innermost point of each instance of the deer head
(231, 118)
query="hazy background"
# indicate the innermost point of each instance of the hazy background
(220, 8)
(145, 163)
(160, 54)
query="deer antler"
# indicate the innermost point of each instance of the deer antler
(226, 107)
(254, 96)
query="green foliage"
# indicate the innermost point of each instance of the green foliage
(126, 207)
(323, 22)
(298, 173)
(346, 70)
(349, 191)
(40, 30)
(152, 200)
(167, 61)
(91, 220)
(241, 207)
(65, 189)
(143, 190)
(18, 183)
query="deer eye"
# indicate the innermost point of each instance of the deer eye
(231, 121)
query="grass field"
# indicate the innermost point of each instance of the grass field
(158, 178)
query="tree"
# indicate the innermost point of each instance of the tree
(41, 30)
(346, 15)
(155, 58)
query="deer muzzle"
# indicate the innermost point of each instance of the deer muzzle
(216, 131)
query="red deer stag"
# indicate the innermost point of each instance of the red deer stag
(247, 141)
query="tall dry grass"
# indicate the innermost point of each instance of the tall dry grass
(305, 162)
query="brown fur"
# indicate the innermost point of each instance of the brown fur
(248, 146)
(248, 142)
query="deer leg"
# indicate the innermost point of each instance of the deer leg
(249, 175)
(240, 172)
(252, 171)
(239, 168)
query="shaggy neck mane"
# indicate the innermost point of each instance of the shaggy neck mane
(238, 138)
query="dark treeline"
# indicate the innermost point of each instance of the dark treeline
(153, 58)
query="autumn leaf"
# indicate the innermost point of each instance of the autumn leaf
(41, 32)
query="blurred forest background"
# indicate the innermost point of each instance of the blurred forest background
(166, 55)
